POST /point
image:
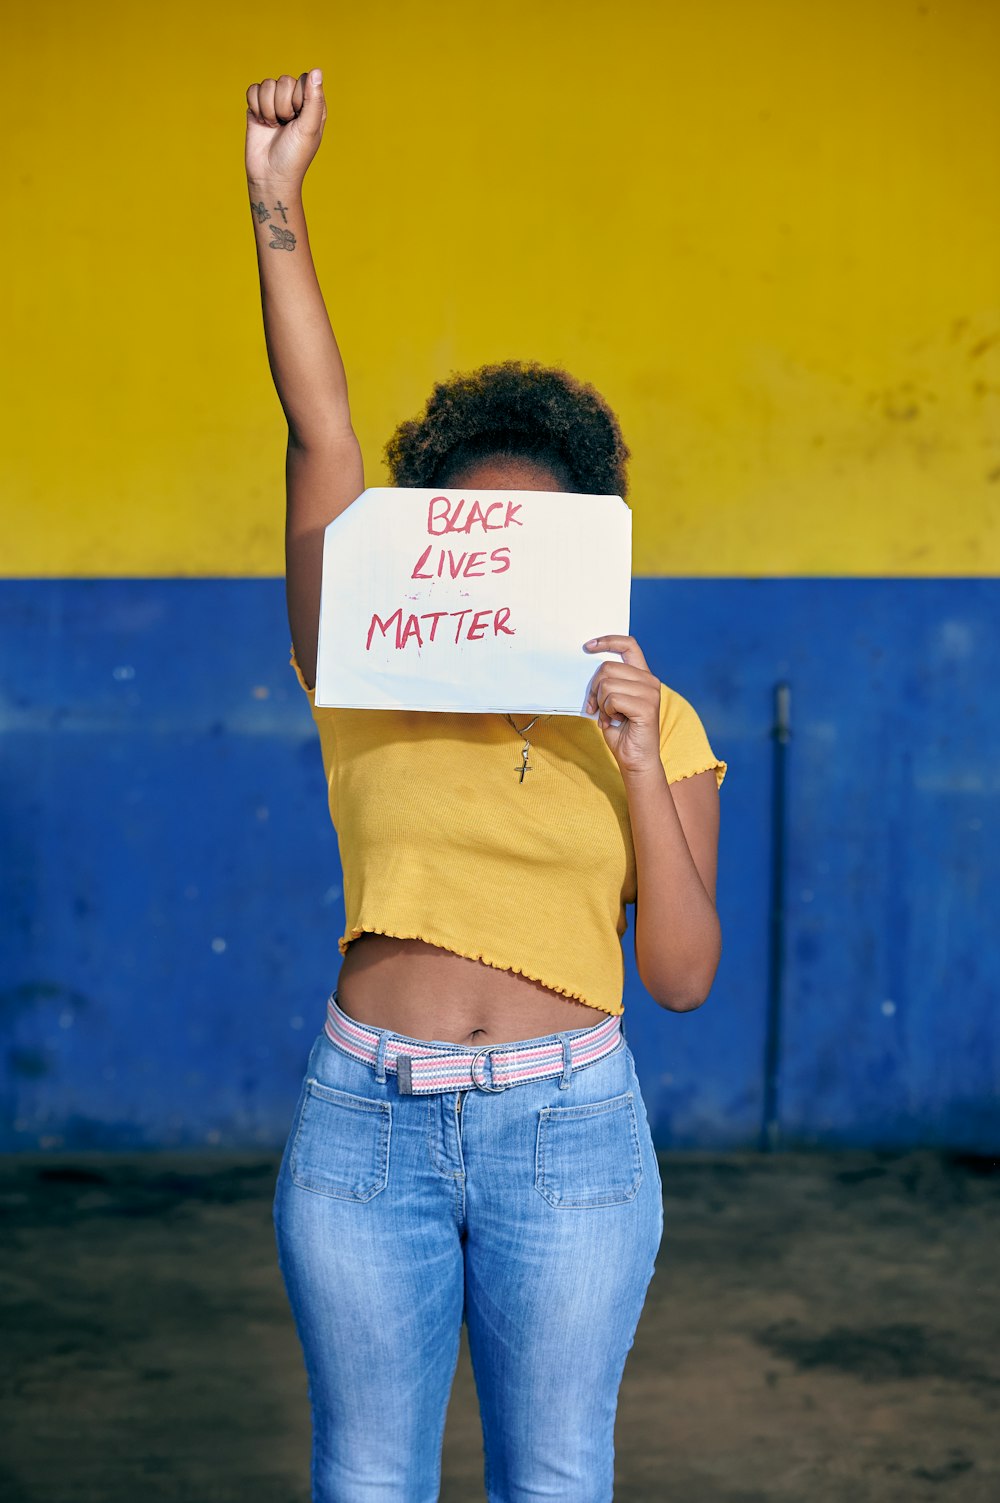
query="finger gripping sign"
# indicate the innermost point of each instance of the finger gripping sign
(470, 601)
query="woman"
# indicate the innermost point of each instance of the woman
(470, 1140)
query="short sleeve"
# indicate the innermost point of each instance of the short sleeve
(684, 745)
(300, 675)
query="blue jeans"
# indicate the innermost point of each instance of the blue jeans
(533, 1213)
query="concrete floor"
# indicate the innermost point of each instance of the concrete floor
(819, 1329)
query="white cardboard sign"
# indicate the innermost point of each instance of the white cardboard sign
(470, 601)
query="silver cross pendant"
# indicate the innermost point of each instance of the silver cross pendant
(525, 764)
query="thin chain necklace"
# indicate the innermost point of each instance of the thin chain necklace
(526, 748)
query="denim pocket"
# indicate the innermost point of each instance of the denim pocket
(588, 1155)
(341, 1145)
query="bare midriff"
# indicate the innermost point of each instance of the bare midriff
(425, 992)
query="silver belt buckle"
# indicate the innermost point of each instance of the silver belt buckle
(481, 1084)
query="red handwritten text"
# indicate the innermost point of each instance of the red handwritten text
(405, 629)
(444, 515)
(465, 566)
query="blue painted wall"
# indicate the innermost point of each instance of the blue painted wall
(170, 884)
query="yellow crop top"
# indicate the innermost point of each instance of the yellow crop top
(440, 841)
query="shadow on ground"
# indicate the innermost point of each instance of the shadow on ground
(820, 1328)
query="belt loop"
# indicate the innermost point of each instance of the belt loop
(567, 1062)
(380, 1058)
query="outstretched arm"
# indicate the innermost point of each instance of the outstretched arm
(324, 472)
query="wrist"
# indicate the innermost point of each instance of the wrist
(264, 187)
(641, 780)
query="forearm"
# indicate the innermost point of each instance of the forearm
(302, 350)
(678, 937)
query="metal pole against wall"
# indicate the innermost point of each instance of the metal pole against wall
(770, 1132)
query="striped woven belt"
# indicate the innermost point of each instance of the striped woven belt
(423, 1067)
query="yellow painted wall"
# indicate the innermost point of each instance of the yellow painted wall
(767, 230)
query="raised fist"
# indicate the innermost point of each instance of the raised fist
(285, 119)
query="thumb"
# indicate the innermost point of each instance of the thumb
(313, 104)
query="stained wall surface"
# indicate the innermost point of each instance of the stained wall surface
(766, 233)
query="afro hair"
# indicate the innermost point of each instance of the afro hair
(519, 409)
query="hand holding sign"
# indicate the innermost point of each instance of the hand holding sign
(444, 600)
(626, 699)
